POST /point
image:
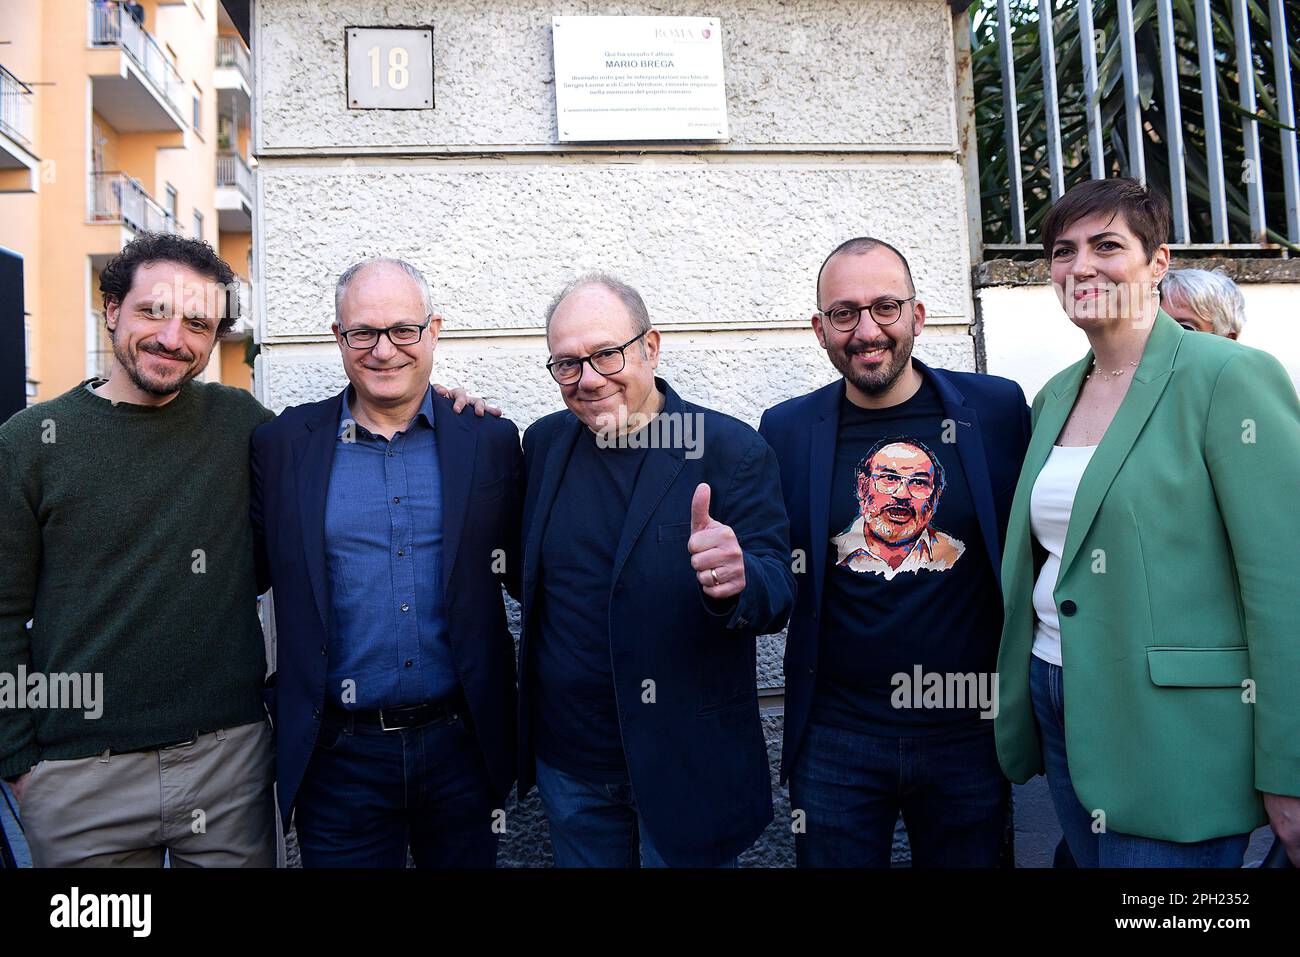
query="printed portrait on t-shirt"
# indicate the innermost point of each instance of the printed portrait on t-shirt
(899, 484)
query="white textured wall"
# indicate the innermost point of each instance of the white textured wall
(842, 123)
(862, 73)
(711, 245)
(1028, 338)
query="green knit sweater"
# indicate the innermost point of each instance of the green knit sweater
(125, 539)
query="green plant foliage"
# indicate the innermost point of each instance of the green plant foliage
(1033, 159)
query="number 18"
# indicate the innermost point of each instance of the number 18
(398, 75)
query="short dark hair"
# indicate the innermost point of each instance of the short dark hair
(148, 248)
(1145, 209)
(856, 246)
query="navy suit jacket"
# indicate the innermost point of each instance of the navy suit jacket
(482, 499)
(992, 430)
(696, 755)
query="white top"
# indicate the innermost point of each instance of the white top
(1050, 505)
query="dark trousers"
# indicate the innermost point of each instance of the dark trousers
(852, 786)
(593, 824)
(368, 794)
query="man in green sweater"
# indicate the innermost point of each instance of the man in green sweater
(131, 656)
(131, 716)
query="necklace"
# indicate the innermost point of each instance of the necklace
(1106, 377)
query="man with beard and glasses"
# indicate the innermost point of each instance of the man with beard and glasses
(126, 541)
(898, 480)
(129, 584)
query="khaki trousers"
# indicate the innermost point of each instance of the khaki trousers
(209, 803)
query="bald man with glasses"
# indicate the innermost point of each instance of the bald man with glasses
(898, 480)
(388, 524)
(655, 552)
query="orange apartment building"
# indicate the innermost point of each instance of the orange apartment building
(117, 117)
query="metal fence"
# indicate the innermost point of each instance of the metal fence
(112, 25)
(15, 107)
(1195, 96)
(119, 198)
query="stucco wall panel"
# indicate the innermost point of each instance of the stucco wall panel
(717, 245)
(876, 73)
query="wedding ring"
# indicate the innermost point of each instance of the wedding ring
(714, 573)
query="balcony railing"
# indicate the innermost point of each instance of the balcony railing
(232, 54)
(15, 107)
(111, 25)
(233, 173)
(118, 198)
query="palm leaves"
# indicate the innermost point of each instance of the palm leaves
(1033, 159)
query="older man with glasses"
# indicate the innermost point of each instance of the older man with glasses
(655, 551)
(388, 524)
(1203, 301)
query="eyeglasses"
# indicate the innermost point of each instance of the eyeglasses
(610, 361)
(885, 312)
(403, 334)
(888, 483)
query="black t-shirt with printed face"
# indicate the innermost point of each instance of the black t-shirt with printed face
(908, 579)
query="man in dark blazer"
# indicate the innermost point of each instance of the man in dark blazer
(387, 524)
(656, 549)
(898, 481)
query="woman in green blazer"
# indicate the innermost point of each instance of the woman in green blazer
(1150, 658)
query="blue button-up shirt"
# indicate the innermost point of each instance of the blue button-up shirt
(383, 549)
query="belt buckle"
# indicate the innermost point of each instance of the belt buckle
(384, 725)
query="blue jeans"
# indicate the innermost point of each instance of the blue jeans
(1109, 848)
(594, 824)
(367, 794)
(852, 786)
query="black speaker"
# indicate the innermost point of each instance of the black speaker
(13, 336)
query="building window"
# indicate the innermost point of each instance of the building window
(172, 204)
(198, 225)
(198, 113)
(225, 132)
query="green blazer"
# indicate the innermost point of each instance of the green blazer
(1179, 588)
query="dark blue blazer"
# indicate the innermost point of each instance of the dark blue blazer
(482, 499)
(992, 435)
(696, 755)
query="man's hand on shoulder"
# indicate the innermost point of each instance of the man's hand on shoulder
(461, 398)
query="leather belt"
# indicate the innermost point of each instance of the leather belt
(406, 716)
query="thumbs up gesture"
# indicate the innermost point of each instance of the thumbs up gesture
(715, 552)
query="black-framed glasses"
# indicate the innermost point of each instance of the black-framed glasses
(884, 312)
(402, 334)
(889, 483)
(609, 361)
